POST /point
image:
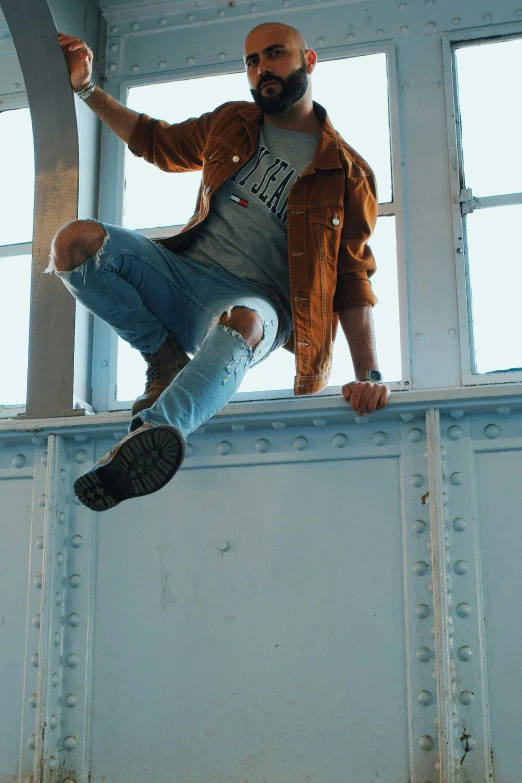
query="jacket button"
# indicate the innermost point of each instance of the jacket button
(236, 158)
(335, 221)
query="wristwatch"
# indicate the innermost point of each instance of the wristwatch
(371, 375)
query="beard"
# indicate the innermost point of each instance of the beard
(292, 89)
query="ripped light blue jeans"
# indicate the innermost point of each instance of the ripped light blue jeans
(142, 290)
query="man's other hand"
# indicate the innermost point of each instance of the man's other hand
(78, 57)
(365, 396)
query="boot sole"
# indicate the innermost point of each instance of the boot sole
(141, 466)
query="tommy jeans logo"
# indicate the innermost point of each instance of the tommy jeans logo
(238, 200)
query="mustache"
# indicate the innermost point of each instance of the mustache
(267, 81)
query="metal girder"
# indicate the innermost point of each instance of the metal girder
(51, 102)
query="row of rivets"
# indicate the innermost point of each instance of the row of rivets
(300, 443)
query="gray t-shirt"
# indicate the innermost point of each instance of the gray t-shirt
(245, 231)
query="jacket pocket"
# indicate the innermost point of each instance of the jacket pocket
(325, 224)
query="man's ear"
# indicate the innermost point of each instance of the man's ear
(311, 60)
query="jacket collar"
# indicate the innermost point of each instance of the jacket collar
(327, 151)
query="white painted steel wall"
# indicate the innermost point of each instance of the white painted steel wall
(315, 598)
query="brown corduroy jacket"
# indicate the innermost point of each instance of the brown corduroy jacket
(331, 213)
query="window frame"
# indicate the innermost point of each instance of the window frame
(111, 199)
(12, 103)
(450, 42)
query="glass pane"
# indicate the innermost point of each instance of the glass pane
(277, 372)
(17, 181)
(14, 312)
(154, 199)
(491, 119)
(496, 282)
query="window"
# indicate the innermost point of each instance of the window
(16, 229)
(491, 203)
(367, 130)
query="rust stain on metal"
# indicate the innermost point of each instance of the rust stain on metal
(423, 498)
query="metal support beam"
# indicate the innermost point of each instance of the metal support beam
(51, 102)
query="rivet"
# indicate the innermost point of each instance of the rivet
(34, 660)
(57, 639)
(36, 621)
(18, 460)
(31, 742)
(319, 41)
(16, 85)
(285, 3)
(75, 580)
(503, 410)
(403, 6)
(80, 456)
(72, 660)
(52, 763)
(76, 501)
(279, 425)
(69, 742)
(262, 445)
(451, 332)
(415, 435)
(445, 498)
(426, 742)
(38, 441)
(238, 427)
(319, 422)
(459, 525)
(463, 610)
(71, 700)
(190, 18)
(112, 67)
(423, 654)
(417, 480)
(339, 441)
(379, 33)
(428, 2)
(405, 87)
(63, 474)
(461, 567)
(222, 56)
(486, 17)
(41, 501)
(58, 598)
(77, 541)
(420, 568)
(104, 362)
(253, 8)
(492, 431)
(190, 60)
(162, 22)
(74, 619)
(55, 679)
(300, 443)
(33, 699)
(405, 29)
(518, 12)
(419, 526)
(407, 416)
(38, 581)
(118, 435)
(225, 447)
(69, 780)
(60, 558)
(162, 64)
(221, 12)
(61, 517)
(135, 68)
(81, 438)
(430, 25)
(465, 653)
(113, 48)
(457, 414)
(54, 721)
(379, 438)
(466, 697)
(422, 611)
(456, 20)
(114, 29)
(135, 26)
(419, 336)
(349, 36)
(457, 478)
(189, 450)
(223, 545)
(364, 419)
(40, 542)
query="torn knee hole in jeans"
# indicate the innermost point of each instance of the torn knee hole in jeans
(81, 268)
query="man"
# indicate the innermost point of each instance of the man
(275, 254)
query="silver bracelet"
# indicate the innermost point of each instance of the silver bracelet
(86, 91)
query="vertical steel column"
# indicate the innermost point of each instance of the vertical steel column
(51, 333)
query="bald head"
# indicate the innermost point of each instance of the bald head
(286, 33)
